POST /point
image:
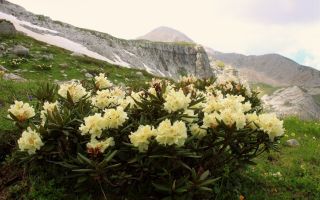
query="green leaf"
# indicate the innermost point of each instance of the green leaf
(83, 170)
(209, 182)
(84, 159)
(204, 175)
(161, 187)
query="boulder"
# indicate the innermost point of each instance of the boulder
(64, 65)
(20, 50)
(47, 57)
(88, 75)
(2, 68)
(292, 143)
(139, 73)
(13, 77)
(7, 28)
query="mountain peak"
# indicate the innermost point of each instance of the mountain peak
(166, 34)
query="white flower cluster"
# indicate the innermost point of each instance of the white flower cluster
(230, 110)
(95, 146)
(109, 97)
(95, 124)
(21, 111)
(75, 90)
(165, 134)
(30, 141)
(48, 108)
(267, 122)
(176, 100)
(102, 82)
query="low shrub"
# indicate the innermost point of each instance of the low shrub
(170, 141)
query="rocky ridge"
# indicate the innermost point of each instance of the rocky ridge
(158, 58)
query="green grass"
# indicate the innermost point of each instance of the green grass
(76, 69)
(265, 88)
(298, 166)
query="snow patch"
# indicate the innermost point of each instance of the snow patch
(120, 62)
(131, 54)
(24, 23)
(53, 39)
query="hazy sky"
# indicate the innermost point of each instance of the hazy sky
(288, 27)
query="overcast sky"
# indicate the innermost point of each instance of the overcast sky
(287, 27)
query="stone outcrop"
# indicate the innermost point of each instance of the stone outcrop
(6, 28)
(292, 101)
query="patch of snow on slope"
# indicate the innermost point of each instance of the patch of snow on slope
(148, 69)
(120, 62)
(53, 39)
(131, 54)
(24, 23)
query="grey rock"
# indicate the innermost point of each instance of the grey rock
(47, 57)
(2, 68)
(139, 73)
(13, 77)
(64, 65)
(88, 75)
(292, 143)
(20, 50)
(7, 28)
(292, 101)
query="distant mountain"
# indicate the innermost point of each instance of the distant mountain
(272, 69)
(165, 34)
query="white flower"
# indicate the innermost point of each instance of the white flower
(75, 90)
(252, 120)
(22, 111)
(93, 125)
(191, 116)
(48, 108)
(270, 124)
(176, 101)
(141, 138)
(106, 98)
(95, 146)
(230, 117)
(114, 118)
(168, 134)
(30, 141)
(197, 131)
(102, 82)
(211, 120)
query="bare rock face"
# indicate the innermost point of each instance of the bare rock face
(7, 28)
(292, 101)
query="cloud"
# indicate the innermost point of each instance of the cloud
(283, 11)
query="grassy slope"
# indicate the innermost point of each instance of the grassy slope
(264, 88)
(299, 166)
(74, 69)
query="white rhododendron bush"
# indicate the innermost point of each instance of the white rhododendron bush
(171, 140)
